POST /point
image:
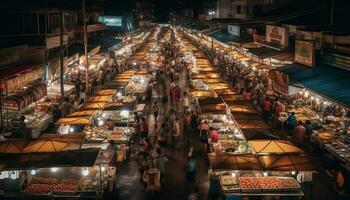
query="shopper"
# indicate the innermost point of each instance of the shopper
(160, 163)
(176, 131)
(213, 135)
(204, 135)
(299, 134)
(191, 168)
(291, 121)
(155, 109)
(185, 102)
(266, 108)
(56, 113)
(110, 124)
(66, 107)
(144, 128)
(163, 137)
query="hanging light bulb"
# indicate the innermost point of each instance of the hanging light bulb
(54, 169)
(33, 172)
(85, 171)
(233, 174)
(103, 168)
(265, 174)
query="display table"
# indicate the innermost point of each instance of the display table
(38, 123)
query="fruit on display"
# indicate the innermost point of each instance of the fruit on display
(39, 189)
(44, 180)
(69, 187)
(269, 182)
(226, 144)
(288, 182)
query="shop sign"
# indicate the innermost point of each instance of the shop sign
(305, 53)
(336, 60)
(23, 79)
(277, 35)
(55, 41)
(280, 81)
(309, 35)
(233, 30)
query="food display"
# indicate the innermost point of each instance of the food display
(44, 180)
(66, 187)
(121, 134)
(228, 180)
(87, 185)
(268, 183)
(39, 189)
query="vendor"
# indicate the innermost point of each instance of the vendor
(110, 124)
(56, 113)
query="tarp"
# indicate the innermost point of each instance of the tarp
(13, 146)
(202, 94)
(119, 106)
(215, 109)
(105, 98)
(234, 162)
(251, 124)
(73, 121)
(104, 92)
(210, 100)
(283, 162)
(92, 106)
(273, 146)
(324, 79)
(85, 113)
(76, 158)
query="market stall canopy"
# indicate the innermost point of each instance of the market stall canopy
(218, 86)
(210, 100)
(69, 138)
(214, 109)
(275, 162)
(105, 92)
(234, 162)
(324, 79)
(43, 145)
(206, 76)
(274, 147)
(259, 134)
(84, 113)
(73, 121)
(119, 106)
(119, 85)
(105, 98)
(76, 158)
(202, 94)
(92, 106)
(213, 80)
(239, 108)
(13, 146)
(231, 98)
(222, 92)
(251, 124)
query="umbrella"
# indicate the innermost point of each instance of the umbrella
(283, 162)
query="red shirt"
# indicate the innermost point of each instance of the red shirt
(266, 106)
(214, 136)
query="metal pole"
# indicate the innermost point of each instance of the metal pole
(332, 18)
(85, 50)
(62, 54)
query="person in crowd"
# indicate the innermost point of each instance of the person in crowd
(56, 113)
(191, 168)
(204, 135)
(110, 124)
(82, 96)
(188, 126)
(291, 121)
(163, 137)
(66, 107)
(22, 127)
(176, 131)
(298, 134)
(213, 135)
(155, 109)
(266, 108)
(160, 163)
(144, 128)
(185, 101)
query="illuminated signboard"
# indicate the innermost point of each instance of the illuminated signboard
(111, 20)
